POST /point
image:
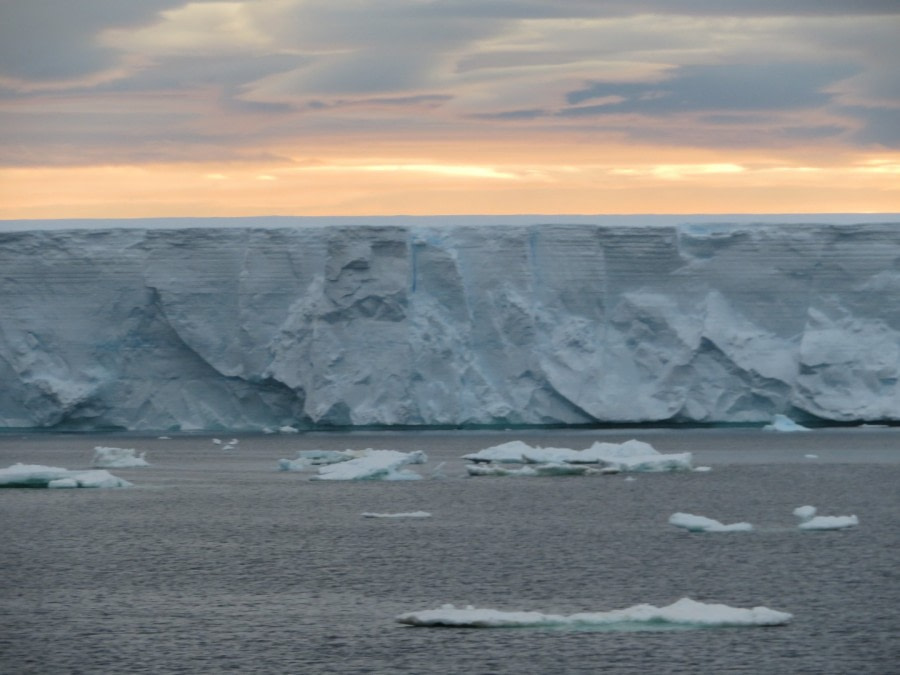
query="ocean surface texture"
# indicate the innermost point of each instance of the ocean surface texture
(217, 562)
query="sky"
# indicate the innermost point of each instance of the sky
(157, 108)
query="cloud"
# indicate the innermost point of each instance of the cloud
(157, 80)
(716, 87)
(50, 40)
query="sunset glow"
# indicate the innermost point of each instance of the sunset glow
(165, 107)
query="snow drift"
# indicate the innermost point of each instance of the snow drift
(433, 324)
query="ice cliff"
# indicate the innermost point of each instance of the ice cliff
(434, 324)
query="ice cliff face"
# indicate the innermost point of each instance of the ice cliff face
(246, 328)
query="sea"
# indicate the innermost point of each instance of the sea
(215, 561)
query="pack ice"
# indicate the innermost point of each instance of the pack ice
(158, 326)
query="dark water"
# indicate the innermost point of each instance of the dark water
(216, 562)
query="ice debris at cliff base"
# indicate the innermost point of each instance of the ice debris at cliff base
(118, 458)
(684, 612)
(810, 521)
(693, 523)
(784, 423)
(39, 476)
(406, 514)
(632, 456)
(374, 465)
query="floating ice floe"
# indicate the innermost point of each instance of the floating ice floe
(550, 469)
(374, 465)
(39, 476)
(308, 459)
(784, 423)
(694, 523)
(633, 455)
(684, 612)
(409, 514)
(118, 458)
(810, 521)
(288, 430)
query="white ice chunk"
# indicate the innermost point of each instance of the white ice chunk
(307, 459)
(684, 612)
(36, 475)
(694, 523)
(829, 523)
(118, 458)
(374, 465)
(631, 455)
(530, 470)
(409, 514)
(511, 452)
(784, 423)
(804, 513)
(810, 521)
(638, 456)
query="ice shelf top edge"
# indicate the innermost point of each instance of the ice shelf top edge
(278, 222)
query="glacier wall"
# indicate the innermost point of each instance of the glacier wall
(255, 327)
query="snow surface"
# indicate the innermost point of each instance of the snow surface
(684, 612)
(694, 523)
(784, 423)
(40, 476)
(633, 455)
(118, 458)
(374, 465)
(810, 521)
(271, 325)
(409, 514)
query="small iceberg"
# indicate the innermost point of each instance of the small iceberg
(118, 458)
(409, 514)
(784, 423)
(693, 523)
(684, 612)
(38, 476)
(307, 459)
(530, 470)
(374, 465)
(632, 456)
(810, 521)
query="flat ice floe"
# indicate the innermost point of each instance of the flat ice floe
(308, 459)
(39, 476)
(631, 456)
(118, 458)
(374, 465)
(694, 523)
(549, 469)
(684, 612)
(407, 514)
(810, 521)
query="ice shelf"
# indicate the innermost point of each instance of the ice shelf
(427, 323)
